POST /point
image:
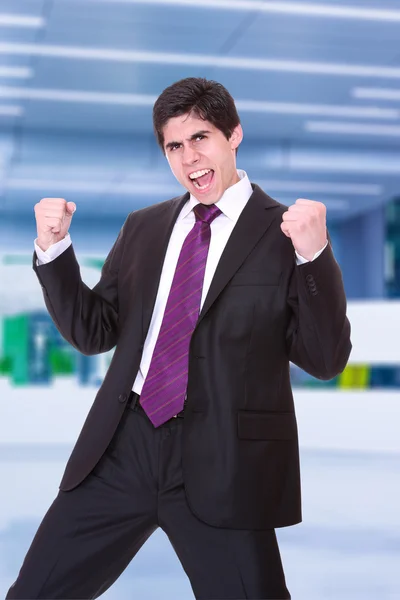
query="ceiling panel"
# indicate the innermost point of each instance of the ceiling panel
(301, 38)
(23, 7)
(101, 149)
(148, 14)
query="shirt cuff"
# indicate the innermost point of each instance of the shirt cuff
(300, 260)
(52, 251)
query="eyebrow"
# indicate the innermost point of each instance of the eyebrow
(192, 137)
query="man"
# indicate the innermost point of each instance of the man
(207, 297)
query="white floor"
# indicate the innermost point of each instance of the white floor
(347, 548)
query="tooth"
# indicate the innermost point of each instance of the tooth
(199, 173)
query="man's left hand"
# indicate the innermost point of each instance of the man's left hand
(305, 224)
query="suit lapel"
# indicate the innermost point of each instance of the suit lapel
(253, 222)
(154, 254)
(251, 226)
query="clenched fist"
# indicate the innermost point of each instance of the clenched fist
(305, 224)
(53, 219)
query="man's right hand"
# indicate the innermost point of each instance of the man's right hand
(53, 219)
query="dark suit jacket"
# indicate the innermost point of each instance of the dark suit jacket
(240, 445)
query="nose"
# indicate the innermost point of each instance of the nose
(190, 156)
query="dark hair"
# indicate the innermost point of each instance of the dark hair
(207, 99)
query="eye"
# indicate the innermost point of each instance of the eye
(200, 137)
(174, 147)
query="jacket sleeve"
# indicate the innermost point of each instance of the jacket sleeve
(86, 318)
(318, 335)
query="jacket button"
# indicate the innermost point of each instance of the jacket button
(122, 398)
(309, 278)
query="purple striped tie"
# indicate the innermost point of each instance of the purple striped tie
(164, 389)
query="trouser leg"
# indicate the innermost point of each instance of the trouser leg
(90, 534)
(220, 563)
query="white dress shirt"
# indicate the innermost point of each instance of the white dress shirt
(231, 205)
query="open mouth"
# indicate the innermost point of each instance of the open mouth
(202, 179)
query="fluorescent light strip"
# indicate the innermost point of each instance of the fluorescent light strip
(293, 8)
(323, 187)
(140, 188)
(133, 189)
(78, 96)
(376, 93)
(16, 72)
(242, 105)
(11, 111)
(357, 162)
(21, 21)
(226, 62)
(352, 128)
(331, 110)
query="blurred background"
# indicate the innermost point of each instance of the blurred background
(317, 85)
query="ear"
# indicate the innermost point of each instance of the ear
(236, 137)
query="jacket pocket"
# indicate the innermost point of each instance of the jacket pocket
(255, 425)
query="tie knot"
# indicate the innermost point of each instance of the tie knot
(206, 213)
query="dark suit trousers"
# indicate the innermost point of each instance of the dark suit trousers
(90, 534)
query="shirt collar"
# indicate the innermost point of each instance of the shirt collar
(232, 201)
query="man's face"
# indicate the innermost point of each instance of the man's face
(200, 156)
